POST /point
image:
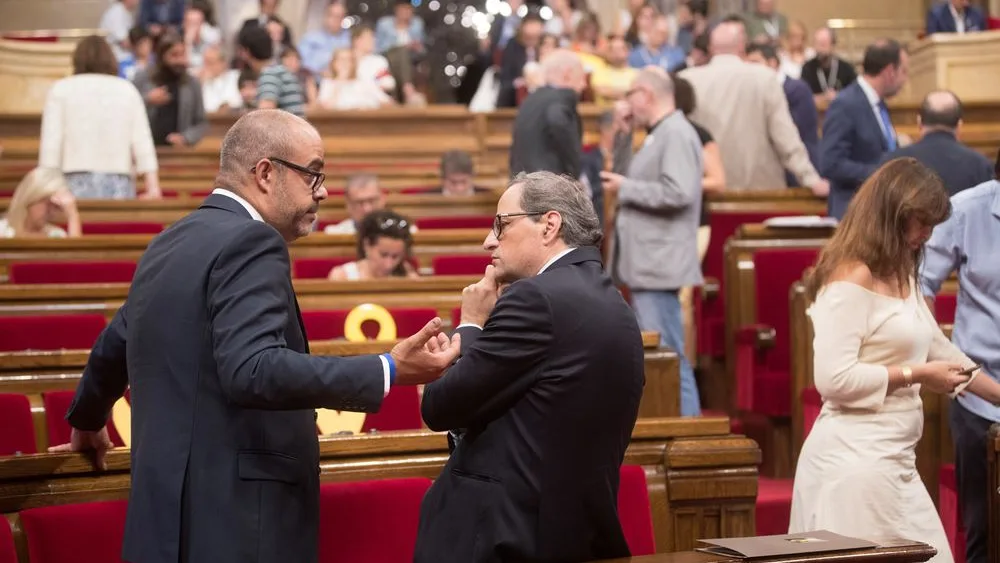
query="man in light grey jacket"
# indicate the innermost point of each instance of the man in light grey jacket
(654, 251)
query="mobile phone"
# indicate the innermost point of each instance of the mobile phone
(969, 371)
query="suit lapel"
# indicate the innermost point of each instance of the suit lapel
(874, 122)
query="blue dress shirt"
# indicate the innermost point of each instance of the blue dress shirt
(968, 242)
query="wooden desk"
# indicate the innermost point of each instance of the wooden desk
(902, 553)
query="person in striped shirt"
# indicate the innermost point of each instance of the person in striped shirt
(277, 86)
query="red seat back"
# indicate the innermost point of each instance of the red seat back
(417, 190)
(324, 325)
(8, 554)
(328, 325)
(484, 222)
(634, 512)
(89, 532)
(72, 272)
(316, 268)
(460, 264)
(724, 224)
(944, 307)
(354, 518)
(56, 405)
(122, 228)
(776, 271)
(50, 332)
(17, 430)
(812, 403)
(400, 411)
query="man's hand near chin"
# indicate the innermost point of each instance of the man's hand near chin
(479, 299)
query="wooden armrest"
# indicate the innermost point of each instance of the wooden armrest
(710, 289)
(760, 336)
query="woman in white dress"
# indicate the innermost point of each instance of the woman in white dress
(384, 243)
(876, 345)
(344, 90)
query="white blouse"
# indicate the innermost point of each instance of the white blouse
(350, 94)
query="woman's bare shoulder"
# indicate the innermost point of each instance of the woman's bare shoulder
(853, 272)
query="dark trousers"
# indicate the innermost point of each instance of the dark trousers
(968, 431)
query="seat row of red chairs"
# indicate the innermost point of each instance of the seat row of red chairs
(122, 271)
(352, 520)
(79, 332)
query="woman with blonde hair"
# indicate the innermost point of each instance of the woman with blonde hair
(38, 198)
(876, 346)
(94, 126)
(343, 90)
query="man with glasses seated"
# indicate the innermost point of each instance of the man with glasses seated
(542, 402)
(362, 196)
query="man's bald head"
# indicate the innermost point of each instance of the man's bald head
(657, 82)
(941, 109)
(562, 69)
(651, 96)
(728, 38)
(259, 134)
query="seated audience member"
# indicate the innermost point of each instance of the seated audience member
(698, 55)
(291, 60)
(173, 96)
(794, 52)
(343, 90)
(159, 16)
(939, 149)
(525, 48)
(587, 38)
(532, 75)
(268, 14)
(40, 196)
(372, 67)
(692, 21)
(248, 88)
(765, 24)
(220, 89)
(384, 242)
(362, 195)
(640, 23)
(611, 81)
(400, 38)
(317, 47)
(564, 21)
(955, 16)
(116, 22)
(140, 50)
(827, 73)
(656, 51)
(277, 86)
(95, 128)
(457, 174)
(200, 33)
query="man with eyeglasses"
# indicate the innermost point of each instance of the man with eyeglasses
(210, 342)
(543, 401)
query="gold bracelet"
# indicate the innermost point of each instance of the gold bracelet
(907, 376)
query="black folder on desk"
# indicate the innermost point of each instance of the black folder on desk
(819, 541)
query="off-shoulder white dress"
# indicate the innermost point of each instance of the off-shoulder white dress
(857, 473)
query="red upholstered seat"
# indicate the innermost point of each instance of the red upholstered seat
(944, 307)
(417, 190)
(328, 325)
(7, 552)
(56, 405)
(50, 332)
(72, 272)
(812, 403)
(948, 510)
(763, 376)
(456, 222)
(354, 519)
(400, 411)
(316, 268)
(194, 194)
(735, 424)
(634, 512)
(89, 532)
(774, 506)
(993, 22)
(122, 228)
(460, 264)
(710, 313)
(17, 430)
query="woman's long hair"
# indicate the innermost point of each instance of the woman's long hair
(385, 223)
(39, 184)
(873, 230)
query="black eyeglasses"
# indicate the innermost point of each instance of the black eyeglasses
(499, 224)
(317, 177)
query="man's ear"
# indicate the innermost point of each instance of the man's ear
(265, 175)
(553, 224)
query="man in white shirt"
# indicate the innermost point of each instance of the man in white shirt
(220, 90)
(362, 195)
(116, 22)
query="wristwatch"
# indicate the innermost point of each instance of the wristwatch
(907, 376)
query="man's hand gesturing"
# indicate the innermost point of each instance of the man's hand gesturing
(419, 360)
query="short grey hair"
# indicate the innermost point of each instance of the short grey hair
(259, 134)
(359, 181)
(542, 192)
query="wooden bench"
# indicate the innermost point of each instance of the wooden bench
(33, 373)
(701, 481)
(903, 552)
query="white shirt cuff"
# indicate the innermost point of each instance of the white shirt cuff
(385, 371)
(468, 324)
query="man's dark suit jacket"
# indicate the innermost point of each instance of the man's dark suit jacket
(225, 460)
(547, 134)
(547, 394)
(851, 147)
(940, 20)
(959, 166)
(802, 106)
(512, 62)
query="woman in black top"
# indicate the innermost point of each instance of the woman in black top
(714, 179)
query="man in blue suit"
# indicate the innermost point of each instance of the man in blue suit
(857, 129)
(955, 16)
